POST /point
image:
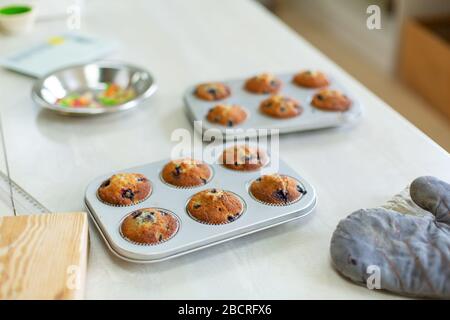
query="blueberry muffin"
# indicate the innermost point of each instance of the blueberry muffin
(311, 79)
(276, 189)
(263, 83)
(243, 158)
(149, 226)
(186, 173)
(227, 115)
(125, 189)
(215, 206)
(280, 107)
(331, 100)
(212, 91)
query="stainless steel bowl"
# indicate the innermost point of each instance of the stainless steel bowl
(92, 77)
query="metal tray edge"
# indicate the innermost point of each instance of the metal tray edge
(309, 210)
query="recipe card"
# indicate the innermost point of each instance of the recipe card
(57, 52)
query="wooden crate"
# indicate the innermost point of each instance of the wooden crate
(43, 256)
(424, 61)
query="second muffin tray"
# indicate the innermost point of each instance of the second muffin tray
(311, 118)
(191, 234)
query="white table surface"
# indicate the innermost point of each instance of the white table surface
(184, 42)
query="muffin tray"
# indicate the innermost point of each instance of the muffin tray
(311, 118)
(192, 235)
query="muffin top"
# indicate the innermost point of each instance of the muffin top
(212, 91)
(227, 115)
(186, 173)
(331, 100)
(311, 79)
(215, 206)
(243, 158)
(263, 83)
(149, 226)
(278, 106)
(125, 189)
(277, 189)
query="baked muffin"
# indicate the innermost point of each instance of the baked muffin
(311, 79)
(243, 158)
(186, 173)
(280, 107)
(331, 100)
(276, 189)
(212, 91)
(124, 189)
(263, 83)
(227, 115)
(215, 206)
(149, 226)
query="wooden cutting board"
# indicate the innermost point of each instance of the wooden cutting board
(43, 256)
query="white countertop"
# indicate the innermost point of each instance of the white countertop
(183, 42)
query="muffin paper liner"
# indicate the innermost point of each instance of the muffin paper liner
(213, 224)
(155, 243)
(274, 204)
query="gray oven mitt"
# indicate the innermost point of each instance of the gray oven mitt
(433, 195)
(409, 253)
